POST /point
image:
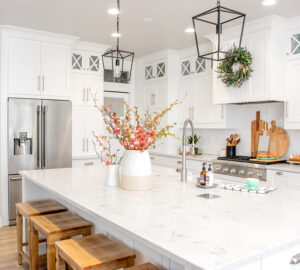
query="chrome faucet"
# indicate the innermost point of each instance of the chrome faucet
(184, 142)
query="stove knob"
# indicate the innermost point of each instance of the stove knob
(225, 170)
(233, 171)
(250, 173)
(241, 172)
(218, 169)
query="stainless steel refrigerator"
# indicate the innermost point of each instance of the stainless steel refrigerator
(39, 137)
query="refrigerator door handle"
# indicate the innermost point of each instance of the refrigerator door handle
(44, 162)
(38, 120)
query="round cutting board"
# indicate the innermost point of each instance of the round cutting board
(279, 141)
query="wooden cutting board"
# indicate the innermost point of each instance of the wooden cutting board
(279, 140)
(257, 128)
(268, 161)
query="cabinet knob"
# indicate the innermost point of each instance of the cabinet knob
(279, 173)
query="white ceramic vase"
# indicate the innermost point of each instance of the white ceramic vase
(112, 175)
(136, 171)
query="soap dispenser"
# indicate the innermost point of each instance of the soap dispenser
(210, 176)
(203, 175)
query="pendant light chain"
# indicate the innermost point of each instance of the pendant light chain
(218, 3)
(118, 24)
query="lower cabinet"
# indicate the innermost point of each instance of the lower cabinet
(283, 179)
(86, 120)
(281, 260)
(85, 162)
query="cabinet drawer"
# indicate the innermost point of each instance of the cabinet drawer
(85, 162)
(281, 260)
(283, 179)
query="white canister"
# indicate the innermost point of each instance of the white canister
(136, 171)
(112, 175)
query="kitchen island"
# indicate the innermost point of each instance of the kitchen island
(174, 228)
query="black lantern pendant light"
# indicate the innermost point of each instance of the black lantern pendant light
(116, 59)
(219, 12)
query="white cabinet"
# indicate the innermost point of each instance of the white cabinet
(37, 68)
(279, 178)
(23, 66)
(266, 82)
(194, 66)
(156, 94)
(292, 112)
(293, 44)
(281, 260)
(55, 61)
(86, 61)
(198, 104)
(85, 87)
(156, 70)
(86, 120)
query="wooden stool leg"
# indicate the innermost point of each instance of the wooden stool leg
(50, 254)
(19, 236)
(34, 248)
(29, 237)
(130, 262)
(60, 263)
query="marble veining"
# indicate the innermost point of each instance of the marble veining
(208, 234)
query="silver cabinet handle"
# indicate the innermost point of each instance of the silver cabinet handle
(192, 109)
(88, 163)
(222, 112)
(153, 97)
(152, 158)
(83, 94)
(88, 94)
(279, 173)
(295, 259)
(44, 115)
(43, 80)
(83, 145)
(39, 83)
(87, 145)
(286, 109)
(179, 162)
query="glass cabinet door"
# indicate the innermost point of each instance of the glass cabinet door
(200, 65)
(94, 63)
(295, 44)
(161, 70)
(149, 73)
(77, 61)
(186, 68)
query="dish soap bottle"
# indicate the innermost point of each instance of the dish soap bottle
(203, 175)
(210, 176)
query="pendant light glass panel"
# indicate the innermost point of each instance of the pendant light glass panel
(216, 20)
(119, 61)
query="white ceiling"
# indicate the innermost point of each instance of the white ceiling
(89, 20)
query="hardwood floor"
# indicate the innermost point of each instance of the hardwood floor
(8, 249)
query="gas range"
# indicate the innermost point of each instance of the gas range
(240, 166)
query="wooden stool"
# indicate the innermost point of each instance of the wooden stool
(93, 252)
(28, 210)
(55, 227)
(144, 266)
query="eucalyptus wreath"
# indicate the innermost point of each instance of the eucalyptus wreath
(235, 69)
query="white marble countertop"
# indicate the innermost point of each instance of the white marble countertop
(203, 157)
(210, 234)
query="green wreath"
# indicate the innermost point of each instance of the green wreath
(235, 69)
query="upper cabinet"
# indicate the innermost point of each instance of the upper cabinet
(86, 62)
(38, 63)
(265, 39)
(156, 70)
(293, 44)
(194, 66)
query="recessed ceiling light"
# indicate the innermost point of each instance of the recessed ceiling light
(115, 35)
(189, 30)
(113, 11)
(148, 20)
(269, 2)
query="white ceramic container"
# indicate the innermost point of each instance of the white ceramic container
(136, 171)
(112, 175)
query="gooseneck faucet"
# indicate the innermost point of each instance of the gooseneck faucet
(184, 142)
